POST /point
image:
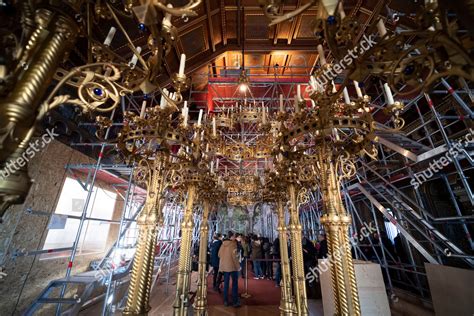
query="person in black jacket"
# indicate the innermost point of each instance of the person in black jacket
(215, 246)
(323, 247)
(268, 265)
(276, 255)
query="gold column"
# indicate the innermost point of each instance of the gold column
(142, 270)
(180, 305)
(200, 302)
(297, 254)
(336, 223)
(286, 302)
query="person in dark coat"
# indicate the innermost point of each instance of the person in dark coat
(276, 255)
(215, 246)
(323, 247)
(268, 270)
(256, 257)
(309, 253)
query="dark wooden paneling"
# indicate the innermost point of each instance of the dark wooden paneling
(194, 41)
(256, 26)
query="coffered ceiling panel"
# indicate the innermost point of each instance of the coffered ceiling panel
(194, 41)
(256, 27)
(305, 27)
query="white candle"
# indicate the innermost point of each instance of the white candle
(200, 117)
(225, 170)
(264, 117)
(163, 102)
(212, 166)
(214, 127)
(334, 90)
(184, 112)
(217, 164)
(282, 107)
(347, 99)
(381, 28)
(133, 61)
(298, 92)
(142, 112)
(389, 94)
(341, 11)
(359, 92)
(312, 82)
(336, 134)
(110, 36)
(322, 58)
(182, 65)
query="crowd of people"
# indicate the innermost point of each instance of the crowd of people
(230, 253)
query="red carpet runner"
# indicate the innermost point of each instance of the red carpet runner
(263, 292)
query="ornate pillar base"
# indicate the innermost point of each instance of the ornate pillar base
(346, 297)
(295, 229)
(200, 302)
(181, 302)
(287, 304)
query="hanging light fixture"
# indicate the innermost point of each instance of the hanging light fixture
(243, 79)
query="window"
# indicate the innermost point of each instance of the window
(64, 223)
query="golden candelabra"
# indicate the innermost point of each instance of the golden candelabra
(317, 146)
(284, 181)
(155, 168)
(198, 180)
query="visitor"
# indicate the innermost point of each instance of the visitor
(276, 256)
(256, 258)
(309, 254)
(229, 265)
(268, 263)
(217, 276)
(323, 247)
(244, 255)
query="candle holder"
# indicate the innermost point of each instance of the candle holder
(180, 83)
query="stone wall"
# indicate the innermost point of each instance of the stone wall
(28, 275)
